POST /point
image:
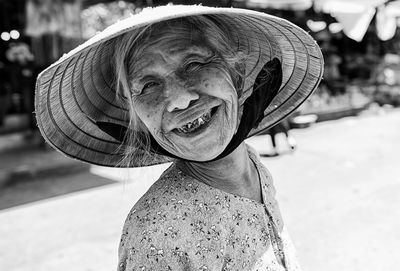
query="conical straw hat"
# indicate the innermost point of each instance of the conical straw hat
(79, 89)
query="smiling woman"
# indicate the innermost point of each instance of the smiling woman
(186, 84)
(188, 68)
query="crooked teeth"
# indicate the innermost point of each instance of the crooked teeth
(194, 125)
(201, 121)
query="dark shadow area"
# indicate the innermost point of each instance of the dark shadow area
(269, 154)
(276, 154)
(47, 187)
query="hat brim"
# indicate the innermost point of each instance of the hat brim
(78, 90)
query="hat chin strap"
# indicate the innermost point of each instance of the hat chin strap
(266, 87)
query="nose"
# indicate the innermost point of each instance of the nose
(180, 97)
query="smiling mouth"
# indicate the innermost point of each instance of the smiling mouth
(199, 123)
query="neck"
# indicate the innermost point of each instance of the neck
(234, 173)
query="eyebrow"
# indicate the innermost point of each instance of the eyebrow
(194, 55)
(137, 72)
(147, 77)
(199, 51)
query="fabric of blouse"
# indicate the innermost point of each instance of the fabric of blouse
(183, 224)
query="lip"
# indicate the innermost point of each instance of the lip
(216, 110)
(192, 113)
(192, 116)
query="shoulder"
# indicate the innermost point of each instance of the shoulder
(169, 226)
(255, 157)
(157, 205)
(171, 195)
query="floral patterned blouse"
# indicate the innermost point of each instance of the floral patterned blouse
(183, 224)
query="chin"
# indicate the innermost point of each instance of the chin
(205, 144)
(206, 153)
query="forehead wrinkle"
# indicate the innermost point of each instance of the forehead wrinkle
(139, 66)
(191, 49)
(149, 66)
(171, 57)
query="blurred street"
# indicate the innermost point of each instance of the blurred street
(338, 192)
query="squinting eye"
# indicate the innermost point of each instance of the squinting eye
(149, 85)
(194, 65)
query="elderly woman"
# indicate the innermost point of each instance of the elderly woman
(186, 84)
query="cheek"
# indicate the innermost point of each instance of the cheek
(149, 109)
(217, 83)
(207, 86)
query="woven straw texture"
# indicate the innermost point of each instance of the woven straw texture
(78, 90)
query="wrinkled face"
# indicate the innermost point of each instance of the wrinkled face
(186, 99)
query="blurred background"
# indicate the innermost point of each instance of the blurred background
(335, 160)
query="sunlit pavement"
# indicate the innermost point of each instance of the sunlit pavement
(339, 194)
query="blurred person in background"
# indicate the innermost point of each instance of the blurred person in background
(4, 92)
(22, 73)
(283, 127)
(187, 85)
